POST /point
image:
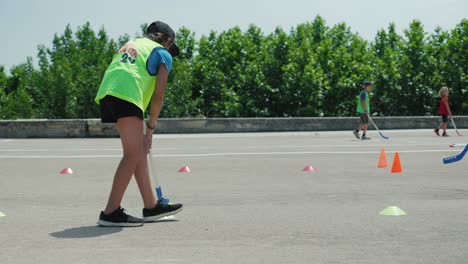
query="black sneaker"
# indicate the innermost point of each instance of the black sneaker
(356, 134)
(445, 135)
(436, 131)
(364, 137)
(161, 210)
(119, 218)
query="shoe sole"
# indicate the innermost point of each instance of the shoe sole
(157, 217)
(112, 224)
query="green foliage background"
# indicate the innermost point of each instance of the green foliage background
(312, 70)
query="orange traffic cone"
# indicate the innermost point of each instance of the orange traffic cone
(396, 166)
(382, 159)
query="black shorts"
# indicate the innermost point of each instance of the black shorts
(444, 118)
(364, 119)
(113, 108)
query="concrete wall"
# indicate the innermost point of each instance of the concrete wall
(93, 127)
(43, 128)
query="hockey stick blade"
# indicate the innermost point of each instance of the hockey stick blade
(455, 126)
(456, 157)
(383, 136)
(457, 145)
(380, 132)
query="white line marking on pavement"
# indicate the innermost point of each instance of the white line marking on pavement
(222, 147)
(347, 133)
(225, 154)
(47, 150)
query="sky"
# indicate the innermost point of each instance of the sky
(25, 24)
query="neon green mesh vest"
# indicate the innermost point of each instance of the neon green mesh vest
(126, 77)
(359, 108)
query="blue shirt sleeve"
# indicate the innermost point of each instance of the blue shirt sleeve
(157, 57)
(363, 96)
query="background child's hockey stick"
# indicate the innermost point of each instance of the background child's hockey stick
(457, 145)
(455, 126)
(154, 176)
(372, 121)
(456, 157)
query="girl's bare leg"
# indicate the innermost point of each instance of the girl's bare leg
(444, 126)
(131, 136)
(143, 180)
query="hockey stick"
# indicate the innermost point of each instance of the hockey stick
(455, 126)
(372, 121)
(456, 157)
(154, 175)
(457, 145)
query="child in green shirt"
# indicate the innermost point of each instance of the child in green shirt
(363, 110)
(136, 76)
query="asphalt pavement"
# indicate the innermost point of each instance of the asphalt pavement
(246, 200)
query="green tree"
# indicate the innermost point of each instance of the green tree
(386, 71)
(179, 100)
(16, 99)
(416, 96)
(71, 71)
(274, 58)
(456, 74)
(348, 65)
(310, 70)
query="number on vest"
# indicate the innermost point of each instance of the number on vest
(126, 58)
